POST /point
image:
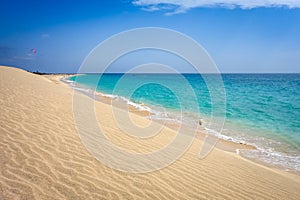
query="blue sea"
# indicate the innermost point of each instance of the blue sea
(261, 109)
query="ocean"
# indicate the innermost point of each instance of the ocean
(262, 110)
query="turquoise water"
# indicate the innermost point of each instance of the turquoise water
(261, 109)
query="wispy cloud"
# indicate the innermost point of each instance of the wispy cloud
(181, 6)
(27, 57)
(45, 35)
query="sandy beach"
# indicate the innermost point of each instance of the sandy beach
(42, 156)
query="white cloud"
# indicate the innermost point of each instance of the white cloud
(180, 6)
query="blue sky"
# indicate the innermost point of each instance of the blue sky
(240, 36)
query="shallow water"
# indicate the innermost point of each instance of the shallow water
(261, 109)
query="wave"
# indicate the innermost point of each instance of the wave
(139, 106)
(262, 153)
(273, 158)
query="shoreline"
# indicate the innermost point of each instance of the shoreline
(232, 146)
(43, 156)
(107, 99)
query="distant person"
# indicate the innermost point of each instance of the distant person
(200, 122)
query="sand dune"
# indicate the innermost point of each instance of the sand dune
(42, 156)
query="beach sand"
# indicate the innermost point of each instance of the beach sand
(42, 156)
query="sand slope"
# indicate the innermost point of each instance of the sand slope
(42, 156)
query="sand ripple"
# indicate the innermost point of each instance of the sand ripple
(42, 156)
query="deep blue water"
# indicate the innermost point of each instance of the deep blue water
(261, 109)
